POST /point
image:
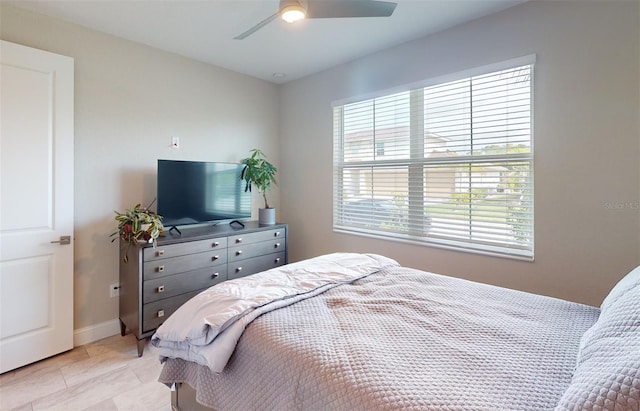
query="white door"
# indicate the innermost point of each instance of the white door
(36, 205)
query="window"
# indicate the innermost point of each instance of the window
(449, 164)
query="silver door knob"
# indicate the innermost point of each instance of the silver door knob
(64, 240)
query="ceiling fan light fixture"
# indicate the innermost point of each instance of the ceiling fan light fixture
(291, 11)
(295, 10)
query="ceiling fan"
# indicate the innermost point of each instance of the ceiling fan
(294, 10)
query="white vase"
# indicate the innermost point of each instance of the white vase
(266, 216)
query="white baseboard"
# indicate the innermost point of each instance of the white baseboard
(96, 332)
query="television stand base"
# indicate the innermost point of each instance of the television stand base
(175, 228)
(237, 222)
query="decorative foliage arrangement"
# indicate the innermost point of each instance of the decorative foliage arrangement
(259, 172)
(137, 225)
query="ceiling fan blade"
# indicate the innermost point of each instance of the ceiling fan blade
(257, 27)
(349, 8)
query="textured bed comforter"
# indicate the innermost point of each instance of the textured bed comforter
(206, 328)
(399, 338)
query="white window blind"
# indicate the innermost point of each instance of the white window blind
(448, 165)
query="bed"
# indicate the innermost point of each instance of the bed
(360, 332)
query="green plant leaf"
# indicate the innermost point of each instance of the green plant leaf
(259, 172)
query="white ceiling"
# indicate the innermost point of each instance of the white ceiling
(204, 30)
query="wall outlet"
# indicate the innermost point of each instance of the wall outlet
(114, 290)
(175, 142)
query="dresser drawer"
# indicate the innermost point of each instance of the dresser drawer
(189, 262)
(243, 252)
(188, 247)
(235, 240)
(254, 265)
(172, 285)
(157, 312)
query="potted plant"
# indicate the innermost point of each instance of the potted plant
(261, 173)
(137, 225)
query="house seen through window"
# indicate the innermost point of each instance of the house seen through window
(449, 164)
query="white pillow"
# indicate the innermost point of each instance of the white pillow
(607, 374)
(626, 283)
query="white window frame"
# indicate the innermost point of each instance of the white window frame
(415, 164)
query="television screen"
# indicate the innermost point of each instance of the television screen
(193, 192)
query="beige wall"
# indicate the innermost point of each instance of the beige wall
(587, 144)
(129, 101)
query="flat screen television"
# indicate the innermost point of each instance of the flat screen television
(196, 192)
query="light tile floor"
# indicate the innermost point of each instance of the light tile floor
(106, 375)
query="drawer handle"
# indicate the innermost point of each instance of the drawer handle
(277, 245)
(238, 269)
(160, 313)
(215, 275)
(277, 260)
(215, 257)
(276, 234)
(239, 252)
(238, 240)
(159, 253)
(215, 244)
(160, 268)
(161, 289)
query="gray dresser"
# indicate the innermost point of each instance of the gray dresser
(156, 281)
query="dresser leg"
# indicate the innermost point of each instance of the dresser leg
(141, 344)
(123, 328)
